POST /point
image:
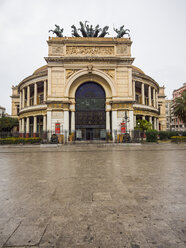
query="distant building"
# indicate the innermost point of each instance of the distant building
(2, 111)
(178, 125)
(169, 114)
(15, 101)
(161, 108)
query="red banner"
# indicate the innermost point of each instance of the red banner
(57, 128)
(123, 128)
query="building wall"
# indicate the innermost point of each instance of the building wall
(48, 94)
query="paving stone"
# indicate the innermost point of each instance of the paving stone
(93, 196)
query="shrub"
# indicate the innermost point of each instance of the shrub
(151, 136)
(13, 140)
(184, 133)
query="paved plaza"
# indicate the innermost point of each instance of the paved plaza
(91, 195)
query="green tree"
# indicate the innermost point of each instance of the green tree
(7, 123)
(179, 107)
(143, 125)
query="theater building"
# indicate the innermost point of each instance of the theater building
(88, 87)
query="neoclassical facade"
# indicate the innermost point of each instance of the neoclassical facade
(88, 87)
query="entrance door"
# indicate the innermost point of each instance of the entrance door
(90, 116)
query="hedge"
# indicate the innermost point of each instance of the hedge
(151, 136)
(178, 139)
(13, 140)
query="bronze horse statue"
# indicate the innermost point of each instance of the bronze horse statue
(58, 31)
(121, 32)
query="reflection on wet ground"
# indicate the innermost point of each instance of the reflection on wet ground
(93, 196)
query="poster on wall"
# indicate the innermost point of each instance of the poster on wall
(123, 128)
(57, 128)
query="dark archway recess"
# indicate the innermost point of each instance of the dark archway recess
(90, 117)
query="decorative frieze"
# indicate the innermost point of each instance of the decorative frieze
(116, 106)
(58, 106)
(90, 50)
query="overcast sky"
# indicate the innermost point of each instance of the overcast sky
(157, 28)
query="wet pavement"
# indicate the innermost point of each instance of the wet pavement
(97, 196)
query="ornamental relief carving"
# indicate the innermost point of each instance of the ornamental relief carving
(110, 72)
(57, 50)
(90, 50)
(122, 49)
(70, 72)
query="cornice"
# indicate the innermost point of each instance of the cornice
(139, 75)
(89, 40)
(124, 60)
(33, 108)
(32, 77)
(145, 107)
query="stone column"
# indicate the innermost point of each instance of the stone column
(157, 124)
(66, 124)
(44, 126)
(150, 119)
(114, 124)
(27, 127)
(35, 127)
(143, 93)
(72, 121)
(131, 120)
(155, 127)
(134, 120)
(23, 127)
(49, 123)
(20, 128)
(35, 94)
(108, 121)
(23, 98)
(156, 95)
(154, 102)
(20, 100)
(150, 100)
(28, 95)
(45, 90)
(134, 90)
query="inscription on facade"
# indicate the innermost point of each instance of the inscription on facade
(90, 50)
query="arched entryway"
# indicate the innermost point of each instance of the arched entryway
(90, 116)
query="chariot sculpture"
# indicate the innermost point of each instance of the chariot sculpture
(87, 30)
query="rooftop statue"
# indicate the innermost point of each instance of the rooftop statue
(58, 31)
(88, 30)
(121, 32)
